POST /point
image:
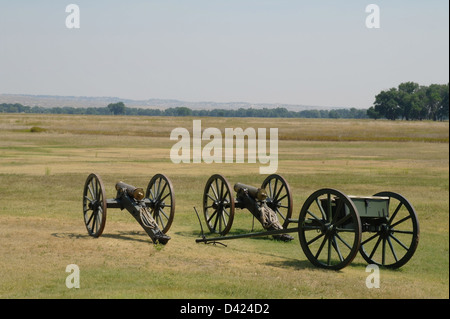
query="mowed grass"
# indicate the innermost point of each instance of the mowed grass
(42, 175)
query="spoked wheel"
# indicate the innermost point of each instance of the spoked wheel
(329, 229)
(218, 205)
(162, 201)
(395, 238)
(94, 205)
(279, 197)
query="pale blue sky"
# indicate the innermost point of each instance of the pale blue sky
(286, 51)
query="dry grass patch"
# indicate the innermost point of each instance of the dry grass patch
(41, 228)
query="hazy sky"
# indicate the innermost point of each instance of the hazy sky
(285, 51)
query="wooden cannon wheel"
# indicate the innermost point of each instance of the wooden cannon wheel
(94, 205)
(395, 240)
(329, 229)
(161, 201)
(279, 197)
(218, 204)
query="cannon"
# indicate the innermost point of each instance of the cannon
(332, 227)
(270, 204)
(154, 210)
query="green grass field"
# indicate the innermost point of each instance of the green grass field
(45, 160)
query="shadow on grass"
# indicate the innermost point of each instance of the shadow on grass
(122, 235)
(208, 234)
(294, 264)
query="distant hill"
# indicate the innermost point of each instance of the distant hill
(87, 101)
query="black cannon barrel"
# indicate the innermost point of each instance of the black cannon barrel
(135, 192)
(255, 192)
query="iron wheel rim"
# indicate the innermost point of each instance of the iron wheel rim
(162, 201)
(218, 205)
(94, 205)
(397, 240)
(340, 232)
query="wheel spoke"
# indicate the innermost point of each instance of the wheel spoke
(343, 241)
(401, 221)
(324, 216)
(399, 242)
(211, 216)
(90, 218)
(321, 247)
(214, 192)
(395, 213)
(375, 247)
(163, 213)
(392, 249)
(336, 248)
(315, 238)
(167, 195)
(275, 186)
(223, 217)
(408, 232)
(270, 189)
(370, 238)
(217, 189)
(94, 220)
(279, 213)
(315, 217)
(278, 194)
(161, 219)
(329, 207)
(221, 192)
(162, 192)
(91, 191)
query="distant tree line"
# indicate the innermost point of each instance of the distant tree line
(119, 108)
(411, 101)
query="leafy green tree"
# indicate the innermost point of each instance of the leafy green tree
(117, 108)
(406, 98)
(443, 111)
(371, 113)
(434, 101)
(386, 104)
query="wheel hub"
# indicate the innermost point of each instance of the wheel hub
(385, 231)
(329, 229)
(94, 205)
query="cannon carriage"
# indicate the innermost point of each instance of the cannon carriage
(332, 227)
(219, 204)
(153, 209)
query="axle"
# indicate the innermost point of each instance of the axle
(249, 235)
